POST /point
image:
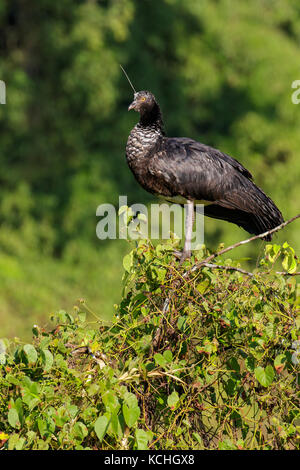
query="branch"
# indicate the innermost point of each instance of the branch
(284, 273)
(227, 268)
(233, 268)
(243, 242)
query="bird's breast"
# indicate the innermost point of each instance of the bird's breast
(141, 146)
(141, 141)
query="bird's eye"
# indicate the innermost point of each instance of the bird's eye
(143, 98)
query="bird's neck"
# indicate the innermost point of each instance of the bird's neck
(144, 137)
(152, 119)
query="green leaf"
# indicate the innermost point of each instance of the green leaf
(131, 415)
(264, 376)
(293, 264)
(12, 379)
(289, 262)
(42, 445)
(93, 389)
(142, 438)
(275, 250)
(100, 427)
(131, 410)
(168, 355)
(31, 353)
(182, 323)
(60, 417)
(111, 401)
(46, 426)
(30, 400)
(79, 431)
(16, 442)
(160, 360)
(30, 392)
(15, 413)
(116, 424)
(202, 286)
(227, 445)
(130, 399)
(144, 343)
(128, 262)
(173, 399)
(285, 262)
(13, 418)
(72, 410)
(47, 359)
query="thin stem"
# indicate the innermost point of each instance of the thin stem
(243, 242)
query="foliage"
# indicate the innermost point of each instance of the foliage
(193, 359)
(222, 72)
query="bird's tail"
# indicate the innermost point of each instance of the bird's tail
(252, 210)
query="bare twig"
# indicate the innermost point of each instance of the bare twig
(283, 273)
(227, 268)
(243, 242)
(233, 268)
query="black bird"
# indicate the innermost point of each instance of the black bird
(188, 172)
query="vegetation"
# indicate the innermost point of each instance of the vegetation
(222, 71)
(196, 357)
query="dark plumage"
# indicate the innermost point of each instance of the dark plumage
(181, 170)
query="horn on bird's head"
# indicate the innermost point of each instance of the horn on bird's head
(128, 79)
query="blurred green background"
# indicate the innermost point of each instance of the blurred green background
(222, 72)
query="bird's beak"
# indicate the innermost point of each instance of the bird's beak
(132, 105)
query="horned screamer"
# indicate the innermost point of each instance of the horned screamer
(187, 172)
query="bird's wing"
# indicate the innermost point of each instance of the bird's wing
(199, 148)
(200, 172)
(183, 167)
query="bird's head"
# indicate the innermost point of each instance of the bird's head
(143, 102)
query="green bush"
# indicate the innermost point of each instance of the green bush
(196, 357)
(222, 72)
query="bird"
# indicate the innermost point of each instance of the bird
(188, 172)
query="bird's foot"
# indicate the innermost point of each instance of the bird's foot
(182, 255)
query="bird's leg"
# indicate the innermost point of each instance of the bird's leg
(189, 221)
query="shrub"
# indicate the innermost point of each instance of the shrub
(197, 357)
